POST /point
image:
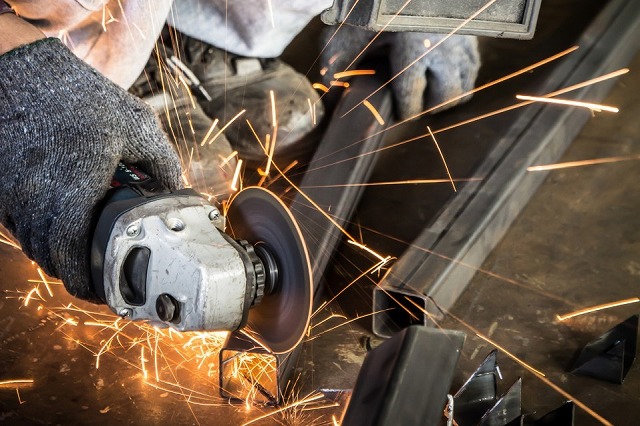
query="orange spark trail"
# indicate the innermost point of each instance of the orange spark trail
(398, 182)
(443, 160)
(321, 87)
(568, 102)
(597, 308)
(15, 383)
(429, 50)
(314, 204)
(339, 83)
(206, 137)
(287, 407)
(581, 163)
(352, 73)
(348, 322)
(236, 176)
(235, 117)
(375, 112)
(363, 274)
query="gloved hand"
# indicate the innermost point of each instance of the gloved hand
(63, 129)
(444, 73)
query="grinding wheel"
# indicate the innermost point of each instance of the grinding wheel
(282, 318)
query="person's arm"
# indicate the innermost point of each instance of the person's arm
(63, 129)
(15, 32)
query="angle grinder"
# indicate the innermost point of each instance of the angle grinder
(165, 257)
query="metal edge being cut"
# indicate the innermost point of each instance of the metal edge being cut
(281, 320)
(476, 219)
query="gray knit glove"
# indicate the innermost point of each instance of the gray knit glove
(63, 129)
(444, 73)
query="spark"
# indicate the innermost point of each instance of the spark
(271, 141)
(368, 250)
(312, 111)
(15, 383)
(274, 118)
(588, 105)
(45, 282)
(340, 84)
(206, 137)
(285, 171)
(443, 160)
(106, 21)
(330, 317)
(597, 308)
(581, 163)
(429, 50)
(348, 322)
(30, 295)
(273, 21)
(334, 420)
(315, 205)
(143, 362)
(226, 160)
(355, 280)
(397, 182)
(287, 407)
(4, 239)
(235, 117)
(352, 73)
(264, 148)
(375, 112)
(236, 176)
(321, 87)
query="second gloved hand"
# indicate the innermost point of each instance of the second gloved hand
(63, 130)
(446, 72)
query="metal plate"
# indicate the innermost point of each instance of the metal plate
(282, 318)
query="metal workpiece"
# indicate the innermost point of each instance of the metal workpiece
(507, 409)
(610, 356)
(248, 372)
(176, 269)
(505, 18)
(405, 380)
(561, 416)
(446, 255)
(478, 394)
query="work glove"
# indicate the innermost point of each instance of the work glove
(63, 130)
(446, 72)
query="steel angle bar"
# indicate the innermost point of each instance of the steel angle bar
(446, 255)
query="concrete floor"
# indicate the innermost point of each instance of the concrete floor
(575, 245)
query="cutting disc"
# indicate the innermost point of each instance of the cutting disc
(261, 218)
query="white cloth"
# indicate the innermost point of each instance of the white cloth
(117, 36)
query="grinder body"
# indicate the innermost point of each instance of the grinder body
(164, 257)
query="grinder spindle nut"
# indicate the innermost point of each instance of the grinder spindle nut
(258, 270)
